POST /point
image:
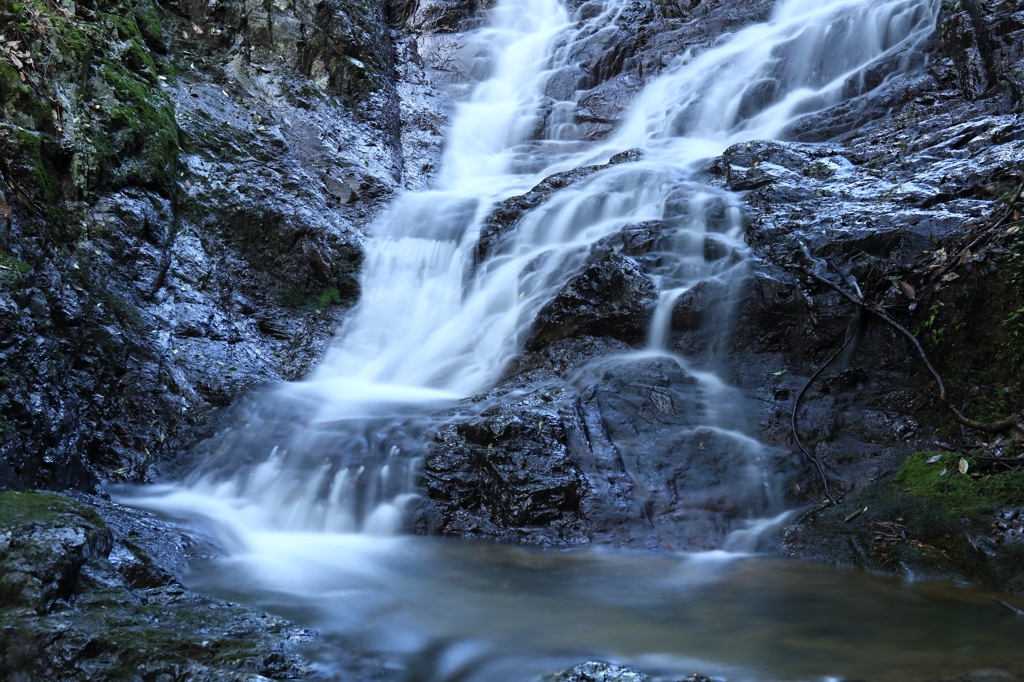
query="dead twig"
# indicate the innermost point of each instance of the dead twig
(855, 514)
(1017, 612)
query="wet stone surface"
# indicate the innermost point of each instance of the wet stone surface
(95, 595)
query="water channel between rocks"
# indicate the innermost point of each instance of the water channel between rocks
(307, 496)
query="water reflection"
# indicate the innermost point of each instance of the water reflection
(472, 611)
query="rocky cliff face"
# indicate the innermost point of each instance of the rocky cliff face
(185, 192)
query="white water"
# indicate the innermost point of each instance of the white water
(431, 327)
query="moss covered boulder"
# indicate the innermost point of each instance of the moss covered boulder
(941, 515)
(81, 600)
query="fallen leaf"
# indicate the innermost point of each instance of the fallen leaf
(907, 290)
(198, 30)
(184, 34)
(949, 277)
(962, 465)
(934, 459)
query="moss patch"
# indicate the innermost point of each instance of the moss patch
(935, 476)
(96, 84)
(928, 520)
(11, 271)
(20, 508)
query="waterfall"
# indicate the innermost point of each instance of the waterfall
(328, 453)
(301, 491)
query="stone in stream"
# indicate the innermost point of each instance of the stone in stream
(599, 671)
(509, 468)
(84, 600)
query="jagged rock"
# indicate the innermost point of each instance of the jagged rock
(83, 601)
(611, 297)
(597, 671)
(500, 223)
(509, 467)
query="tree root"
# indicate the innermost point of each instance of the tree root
(819, 467)
(1017, 612)
(1014, 421)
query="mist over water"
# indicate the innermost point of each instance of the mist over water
(306, 496)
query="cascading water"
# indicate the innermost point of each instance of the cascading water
(322, 459)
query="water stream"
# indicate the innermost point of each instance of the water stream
(306, 496)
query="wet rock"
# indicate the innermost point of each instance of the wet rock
(500, 223)
(611, 297)
(692, 478)
(509, 467)
(194, 229)
(46, 540)
(596, 671)
(614, 60)
(83, 601)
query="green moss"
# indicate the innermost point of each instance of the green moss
(11, 271)
(329, 296)
(19, 508)
(940, 481)
(18, 104)
(305, 298)
(31, 168)
(148, 20)
(140, 144)
(122, 129)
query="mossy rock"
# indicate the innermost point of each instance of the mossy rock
(19, 105)
(44, 541)
(927, 521)
(117, 126)
(68, 613)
